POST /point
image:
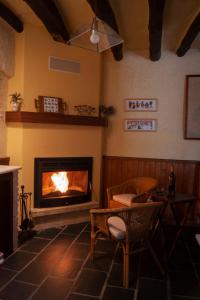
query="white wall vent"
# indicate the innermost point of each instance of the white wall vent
(63, 65)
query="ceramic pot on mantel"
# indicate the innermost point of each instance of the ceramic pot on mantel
(15, 106)
(16, 101)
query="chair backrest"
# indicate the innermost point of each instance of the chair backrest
(140, 219)
(135, 185)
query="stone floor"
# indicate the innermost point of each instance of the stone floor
(55, 265)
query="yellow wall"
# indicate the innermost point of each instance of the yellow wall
(32, 78)
(138, 77)
(73, 88)
(135, 76)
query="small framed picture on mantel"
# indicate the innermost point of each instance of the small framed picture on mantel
(138, 104)
(50, 104)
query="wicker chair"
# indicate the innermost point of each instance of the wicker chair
(130, 226)
(137, 185)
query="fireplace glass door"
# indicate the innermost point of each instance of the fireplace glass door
(62, 181)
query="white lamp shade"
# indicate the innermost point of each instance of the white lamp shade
(97, 36)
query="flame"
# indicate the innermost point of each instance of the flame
(60, 181)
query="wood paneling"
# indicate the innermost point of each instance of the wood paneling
(115, 170)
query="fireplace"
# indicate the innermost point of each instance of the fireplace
(61, 181)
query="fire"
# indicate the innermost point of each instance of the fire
(60, 181)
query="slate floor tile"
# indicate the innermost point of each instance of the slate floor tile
(184, 284)
(180, 259)
(63, 240)
(5, 276)
(80, 297)
(79, 251)
(189, 235)
(35, 272)
(182, 298)
(56, 249)
(118, 294)
(90, 282)
(184, 265)
(88, 227)
(84, 237)
(102, 262)
(197, 268)
(195, 254)
(49, 233)
(74, 229)
(18, 260)
(35, 245)
(66, 261)
(53, 288)
(52, 253)
(150, 287)
(17, 290)
(148, 267)
(118, 256)
(105, 246)
(116, 275)
(67, 267)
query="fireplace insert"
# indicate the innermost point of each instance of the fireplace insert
(61, 181)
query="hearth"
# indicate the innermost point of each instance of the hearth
(62, 181)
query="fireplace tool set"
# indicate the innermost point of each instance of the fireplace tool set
(27, 224)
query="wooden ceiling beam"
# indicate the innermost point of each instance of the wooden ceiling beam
(48, 13)
(103, 11)
(11, 18)
(189, 37)
(156, 9)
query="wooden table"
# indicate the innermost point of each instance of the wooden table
(176, 203)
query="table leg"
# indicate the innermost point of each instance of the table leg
(179, 224)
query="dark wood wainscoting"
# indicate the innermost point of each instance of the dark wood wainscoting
(118, 169)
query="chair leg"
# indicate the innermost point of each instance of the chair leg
(92, 245)
(156, 258)
(126, 256)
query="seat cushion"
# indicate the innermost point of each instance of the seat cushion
(125, 199)
(117, 227)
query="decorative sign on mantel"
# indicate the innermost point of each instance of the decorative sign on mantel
(139, 104)
(50, 104)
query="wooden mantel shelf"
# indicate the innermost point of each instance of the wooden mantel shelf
(54, 118)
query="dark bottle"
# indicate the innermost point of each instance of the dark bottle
(172, 183)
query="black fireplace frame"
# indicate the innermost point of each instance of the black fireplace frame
(55, 164)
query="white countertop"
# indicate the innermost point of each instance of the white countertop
(8, 169)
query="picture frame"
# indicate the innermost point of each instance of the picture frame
(140, 104)
(50, 104)
(192, 108)
(140, 125)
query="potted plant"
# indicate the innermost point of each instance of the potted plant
(106, 110)
(16, 101)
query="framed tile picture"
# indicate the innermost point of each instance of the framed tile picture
(138, 104)
(50, 104)
(140, 125)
